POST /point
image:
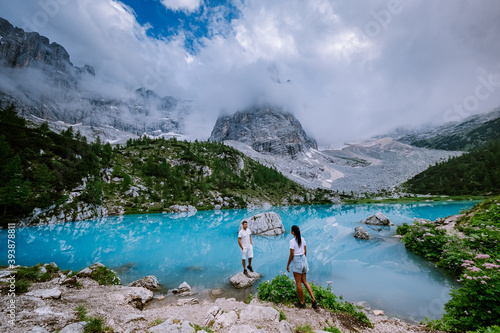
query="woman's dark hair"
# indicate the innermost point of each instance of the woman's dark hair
(296, 231)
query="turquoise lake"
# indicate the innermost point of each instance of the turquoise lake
(202, 249)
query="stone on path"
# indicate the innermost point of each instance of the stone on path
(240, 280)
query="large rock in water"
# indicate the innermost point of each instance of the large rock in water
(267, 129)
(377, 219)
(361, 233)
(240, 280)
(265, 224)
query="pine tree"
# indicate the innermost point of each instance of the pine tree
(16, 191)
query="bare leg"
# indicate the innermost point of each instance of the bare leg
(308, 287)
(243, 262)
(250, 262)
(298, 282)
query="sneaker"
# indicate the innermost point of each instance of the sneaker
(250, 268)
(245, 272)
(300, 305)
(315, 305)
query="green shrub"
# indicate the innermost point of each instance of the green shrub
(105, 276)
(332, 329)
(282, 315)
(474, 258)
(82, 312)
(95, 325)
(476, 304)
(403, 229)
(28, 273)
(304, 329)
(425, 240)
(22, 285)
(249, 299)
(282, 289)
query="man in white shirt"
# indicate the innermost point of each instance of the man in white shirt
(246, 245)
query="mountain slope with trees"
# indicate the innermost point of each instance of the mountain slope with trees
(57, 173)
(477, 172)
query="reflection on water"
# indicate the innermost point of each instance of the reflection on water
(202, 249)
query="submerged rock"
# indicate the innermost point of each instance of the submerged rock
(240, 280)
(265, 224)
(361, 233)
(377, 219)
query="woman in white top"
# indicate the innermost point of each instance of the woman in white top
(297, 258)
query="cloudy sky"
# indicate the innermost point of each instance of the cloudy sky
(347, 69)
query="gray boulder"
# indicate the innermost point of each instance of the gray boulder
(137, 296)
(149, 282)
(38, 329)
(377, 219)
(178, 325)
(240, 280)
(45, 293)
(183, 289)
(253, 313)
(74, 328)
(245, 329)
(265, 224)
(361, 233)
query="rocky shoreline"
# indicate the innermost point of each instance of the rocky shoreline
(51, 307)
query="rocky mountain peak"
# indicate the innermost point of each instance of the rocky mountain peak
(267, 129)
(20, 49)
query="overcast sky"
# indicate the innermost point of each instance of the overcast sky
(347, 69)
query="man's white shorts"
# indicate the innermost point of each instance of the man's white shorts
(247, 252)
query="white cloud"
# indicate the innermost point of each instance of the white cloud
(188, 6)
(345, 85)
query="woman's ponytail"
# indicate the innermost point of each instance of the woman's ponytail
(296, 232)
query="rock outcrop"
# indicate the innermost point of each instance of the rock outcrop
(240, 280)
(183, 289)
(57, 92)
(361, 233)
(265, 224)
(149, 282)
(377, 219)
(267, 129)
(173, 325)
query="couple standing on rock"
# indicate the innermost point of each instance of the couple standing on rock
(297, 258)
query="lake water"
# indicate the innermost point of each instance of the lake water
(202, 250)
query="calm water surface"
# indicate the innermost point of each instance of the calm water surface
(202, 249)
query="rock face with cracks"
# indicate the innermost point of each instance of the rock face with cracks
(267, 129)
(265, 224)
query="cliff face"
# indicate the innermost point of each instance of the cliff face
(43, 82)
(267, 129)
(19, 49)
